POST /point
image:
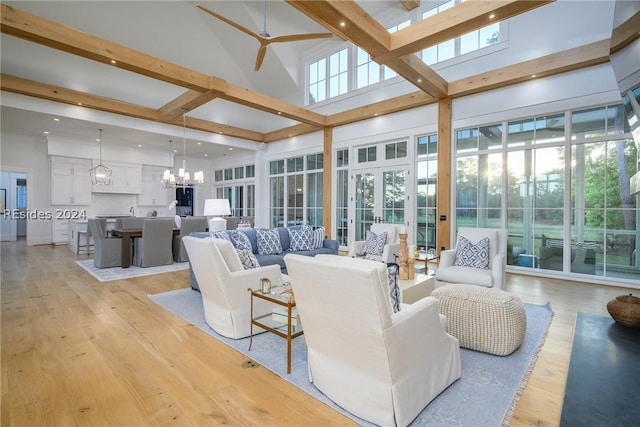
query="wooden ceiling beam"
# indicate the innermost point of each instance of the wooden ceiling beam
(349, 21)
(410, 4)
(51, 34)
(625, 33)
(188, 101)
(291, 131)
(73, 97)
(388, 106)
(454, 22)
(249, 98)
(556, 63)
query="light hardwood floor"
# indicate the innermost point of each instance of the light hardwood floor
(78, 352)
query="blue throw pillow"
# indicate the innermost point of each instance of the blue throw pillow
(268, 242)
(300, 239)
(374, 244)
(394, 290)
(470, 255)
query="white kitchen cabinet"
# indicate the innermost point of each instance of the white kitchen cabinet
(152, 192)
(60, 231)
(125, 179)
(70, 181)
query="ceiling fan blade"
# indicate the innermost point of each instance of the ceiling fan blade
(230, 22)
(261, 52)
(299, 37)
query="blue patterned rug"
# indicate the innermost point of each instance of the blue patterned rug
(118, 273)
(485, 395)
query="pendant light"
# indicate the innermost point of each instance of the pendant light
(100, 175)
(183, 178)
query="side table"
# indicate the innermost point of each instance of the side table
(288, 330)
(417, 288)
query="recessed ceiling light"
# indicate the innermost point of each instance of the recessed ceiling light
(206, 155)
(56, 119)
(493, 15)
(175, 150)
(533, 76)
(46, 132)
(419, 80)
(80, 104)
(113, 61)
(139, 145)
(199, 143)
(230, 148)
(279, 113)
(342, 23)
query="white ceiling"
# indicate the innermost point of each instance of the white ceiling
(175, 31)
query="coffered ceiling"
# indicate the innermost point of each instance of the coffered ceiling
(148, 62)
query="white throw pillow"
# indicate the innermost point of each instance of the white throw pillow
(317, 237)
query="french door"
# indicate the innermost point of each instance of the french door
(377, 195)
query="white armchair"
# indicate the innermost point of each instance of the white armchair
(223, 282)
(391, 247)
(467, 270)
(381, 366)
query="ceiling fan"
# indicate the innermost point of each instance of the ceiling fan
(264, 37)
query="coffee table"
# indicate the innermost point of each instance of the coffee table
(287, 330)
(417, 288)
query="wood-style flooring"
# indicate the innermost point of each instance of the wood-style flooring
(78, 352)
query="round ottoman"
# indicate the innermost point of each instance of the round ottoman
(483, 319)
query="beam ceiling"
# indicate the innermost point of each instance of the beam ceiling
(345, 19)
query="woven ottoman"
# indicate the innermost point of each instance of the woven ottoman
(483, 319)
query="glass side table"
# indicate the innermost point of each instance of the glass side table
(282, 323)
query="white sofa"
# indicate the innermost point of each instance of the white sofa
(492, 277)
(224, 282)
(381, 366)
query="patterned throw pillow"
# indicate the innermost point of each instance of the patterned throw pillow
(300, 239)
(394, 290)
(268, 241)
(248, 259)
(374, 244)
(470, 255)
(317, 237)
(220, 234)
(241, 242)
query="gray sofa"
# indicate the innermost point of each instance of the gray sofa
(329, 246)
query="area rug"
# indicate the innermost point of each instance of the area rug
(604, 374)
(485, 395)
(118, 273)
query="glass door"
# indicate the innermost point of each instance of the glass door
(378, 195)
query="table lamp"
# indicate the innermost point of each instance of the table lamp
(217, 208)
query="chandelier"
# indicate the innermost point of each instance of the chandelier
(100, 175)
(183, 179)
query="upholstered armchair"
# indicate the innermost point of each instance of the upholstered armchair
(480, 258)
(223, 283)
(373, 248)
(381, 366)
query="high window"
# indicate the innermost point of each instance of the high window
(467, 43)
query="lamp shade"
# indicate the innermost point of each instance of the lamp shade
(216, 207)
